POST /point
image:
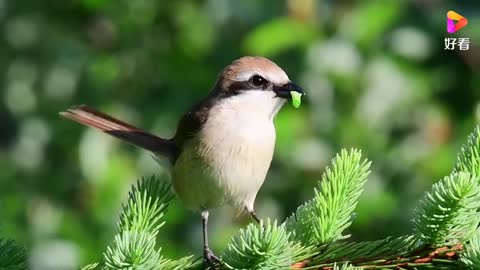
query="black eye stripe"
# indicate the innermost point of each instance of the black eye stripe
(237, 86)
(261, 83)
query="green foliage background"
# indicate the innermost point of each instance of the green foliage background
(376, 72)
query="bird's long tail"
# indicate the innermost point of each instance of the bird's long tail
(119, 129)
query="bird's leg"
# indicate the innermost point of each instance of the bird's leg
(209, 259)
(254, 216)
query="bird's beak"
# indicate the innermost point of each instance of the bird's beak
(284, 90)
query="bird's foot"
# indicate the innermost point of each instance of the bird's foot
(210, 261)
(254, 216)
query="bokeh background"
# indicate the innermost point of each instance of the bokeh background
(376, 72)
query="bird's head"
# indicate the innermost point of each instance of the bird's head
(256, 74)
(256, 80)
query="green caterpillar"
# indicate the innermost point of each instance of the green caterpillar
(296, 99)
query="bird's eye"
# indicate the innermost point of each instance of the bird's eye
(258, 80)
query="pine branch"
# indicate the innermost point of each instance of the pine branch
(323, 219)
(147, 203)
(419, 258)
(471, 256)
(131, 250)
(444, 222)
(92, 266)
(469, 158)
(140, 220)
(180, 264)
(12, 256)
(345, 267)
(134, 247)
(447, 215)
(262, 246)
(358, 252)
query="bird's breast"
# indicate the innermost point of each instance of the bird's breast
(234, 138)
(230, 156)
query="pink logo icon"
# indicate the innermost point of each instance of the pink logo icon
(453, 27)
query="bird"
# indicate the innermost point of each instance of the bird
(223, 146)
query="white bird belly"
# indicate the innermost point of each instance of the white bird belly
(227, 161)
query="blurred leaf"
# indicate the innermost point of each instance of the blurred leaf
(367, 211)
(104, 70)
(278, 35)
(371, 19)
(290, 127)
(95, 4)
(196, 33)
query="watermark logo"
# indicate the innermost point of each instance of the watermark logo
(453, 27)
(452, 43)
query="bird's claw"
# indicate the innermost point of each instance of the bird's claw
(210, 261)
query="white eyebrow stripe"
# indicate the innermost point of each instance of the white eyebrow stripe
(245, 76)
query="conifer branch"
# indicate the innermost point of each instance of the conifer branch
(469, 158)
(358, 252)
(132, 249)
(323, 219)
(12, 256)
(444, 234)
(471, 255)
(262, 246)
(92, 266)
(140, 220)
(146, 206)
(447, 215)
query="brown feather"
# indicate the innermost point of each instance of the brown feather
(193, 121)
(119, 129)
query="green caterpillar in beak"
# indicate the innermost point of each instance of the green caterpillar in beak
(296, 99)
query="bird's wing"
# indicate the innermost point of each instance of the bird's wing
(193, 121)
